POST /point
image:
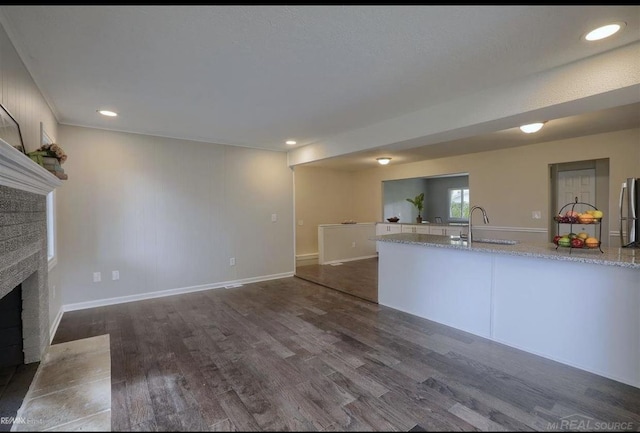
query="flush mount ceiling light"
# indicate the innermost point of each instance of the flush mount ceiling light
(107, 113)
(290, 142)
(604, 31)
(383, 161)
(532, 127)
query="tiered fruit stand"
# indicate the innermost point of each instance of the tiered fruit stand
(571, 219)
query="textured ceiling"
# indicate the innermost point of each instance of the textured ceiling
(259, 75)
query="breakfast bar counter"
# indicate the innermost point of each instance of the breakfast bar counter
(578, 307)
(624, 257)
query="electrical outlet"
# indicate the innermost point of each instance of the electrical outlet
(353, 244)
(300, 222)
(274, 217)
(536, 215)
(232, 261)
(115, 275)
(97, 277)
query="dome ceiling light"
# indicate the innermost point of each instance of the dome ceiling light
(604, 31)
(107, 113)
(383, 160)
(532, 127)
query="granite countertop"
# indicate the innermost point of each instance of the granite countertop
(611, 256)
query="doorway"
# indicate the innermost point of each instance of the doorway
(588, 181)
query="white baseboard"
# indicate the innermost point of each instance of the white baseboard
(170, 292)
(55, 324)
(307, 259)
(350, 259)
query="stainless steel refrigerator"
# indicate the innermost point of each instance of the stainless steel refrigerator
(629, 213)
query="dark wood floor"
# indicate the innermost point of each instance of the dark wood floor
(289, 354)
(358, 277)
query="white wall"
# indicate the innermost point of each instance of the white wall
(22, 98)
(322, 196)
(168, 214)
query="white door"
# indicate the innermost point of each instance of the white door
(581, 184)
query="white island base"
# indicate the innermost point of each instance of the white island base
(581, 314)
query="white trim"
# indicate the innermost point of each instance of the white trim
(310, 256)
(170, 292)
(53, 262)
(18, 171)
(349, 260)
(54, 326)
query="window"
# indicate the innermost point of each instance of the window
(459, 203)
(51, 211)
(51, 229)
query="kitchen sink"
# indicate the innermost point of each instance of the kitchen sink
(495, 241)
(485, 241)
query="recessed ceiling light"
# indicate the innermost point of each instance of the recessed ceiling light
(290, 142)
(107, 113)
(604, 31)
(383, 161)
(532, 127)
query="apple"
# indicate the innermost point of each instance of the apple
(571, 213)
(564, 241)
(577, 243)
(556, 238)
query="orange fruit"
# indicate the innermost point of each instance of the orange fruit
(592, 242)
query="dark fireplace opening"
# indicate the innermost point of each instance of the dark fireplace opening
(11, 346)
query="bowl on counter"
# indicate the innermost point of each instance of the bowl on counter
(393, 219)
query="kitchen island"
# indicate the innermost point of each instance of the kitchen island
(578, 307)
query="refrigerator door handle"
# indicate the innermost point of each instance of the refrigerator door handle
(632, 200)
(622, 217)
(633, 216)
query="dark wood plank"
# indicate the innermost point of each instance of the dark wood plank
(292, 355)
(358, 277)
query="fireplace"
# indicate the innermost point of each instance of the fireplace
(11, 329)
(23, 244)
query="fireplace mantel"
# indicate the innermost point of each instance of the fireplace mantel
(18, 171)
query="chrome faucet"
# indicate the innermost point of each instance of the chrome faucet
(484, 216)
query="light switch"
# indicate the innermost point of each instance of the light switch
(274, 217)
(96, 277)
(536, 215)
(300, 222)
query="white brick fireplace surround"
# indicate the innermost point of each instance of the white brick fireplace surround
(23, 243)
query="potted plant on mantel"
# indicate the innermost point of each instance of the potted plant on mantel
(418, 202)
(51, 157)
